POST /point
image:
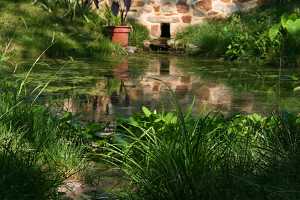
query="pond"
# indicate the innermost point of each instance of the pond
(102, 90)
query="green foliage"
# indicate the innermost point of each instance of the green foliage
(38, 151)
(138, 34)
(243, 157)
(211, 39)
(270, 33)
(109, 18)
(67, 8)
(34, 30)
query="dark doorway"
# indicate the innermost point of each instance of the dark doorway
(165, 30)
(164, 67)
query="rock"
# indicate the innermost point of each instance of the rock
(156, 8)
(138, 3)
(147, 44)
(192, 46)
(155, 30)
(203, 5)
(182, 8)
(226, 8)
(198, 13)
(186, 19)
(171, 42)
(103, 134)
(162, 19)
(131, 49)
(168, 8)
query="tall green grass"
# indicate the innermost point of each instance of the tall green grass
(210, 157)
(38, 151)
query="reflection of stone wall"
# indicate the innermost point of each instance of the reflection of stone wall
(180, 13)
(217, 95)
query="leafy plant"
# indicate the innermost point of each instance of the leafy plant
(71, 8)
(213, 158)
(269, 33)
(116, 12)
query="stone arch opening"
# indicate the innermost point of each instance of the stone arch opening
(165, 30)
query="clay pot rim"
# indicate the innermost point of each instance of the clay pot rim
(119, 26)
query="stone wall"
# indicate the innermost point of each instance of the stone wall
(181, 13)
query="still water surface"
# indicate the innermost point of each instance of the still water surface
(98, 91)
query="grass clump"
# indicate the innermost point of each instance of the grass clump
(37, 150)
(170, 156)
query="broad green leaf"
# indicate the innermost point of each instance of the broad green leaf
(274, 31)
(146, 111)
(293, 27)
(296, 89)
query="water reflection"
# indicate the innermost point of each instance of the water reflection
(122, 94)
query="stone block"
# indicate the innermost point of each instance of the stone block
(155, 30)
(167, 8)
(182, 8)
(241, 1)
(147, 9)
(163, 19)
(225, 8)
(186, 19)
(156, 8)
(212, 13)
(203, 5)
(198, 13)
(138, 3)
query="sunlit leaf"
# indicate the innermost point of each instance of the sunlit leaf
(146, 111)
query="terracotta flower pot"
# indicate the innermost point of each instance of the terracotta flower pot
(119, 34)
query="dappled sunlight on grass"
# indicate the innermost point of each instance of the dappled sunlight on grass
(33, 29)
